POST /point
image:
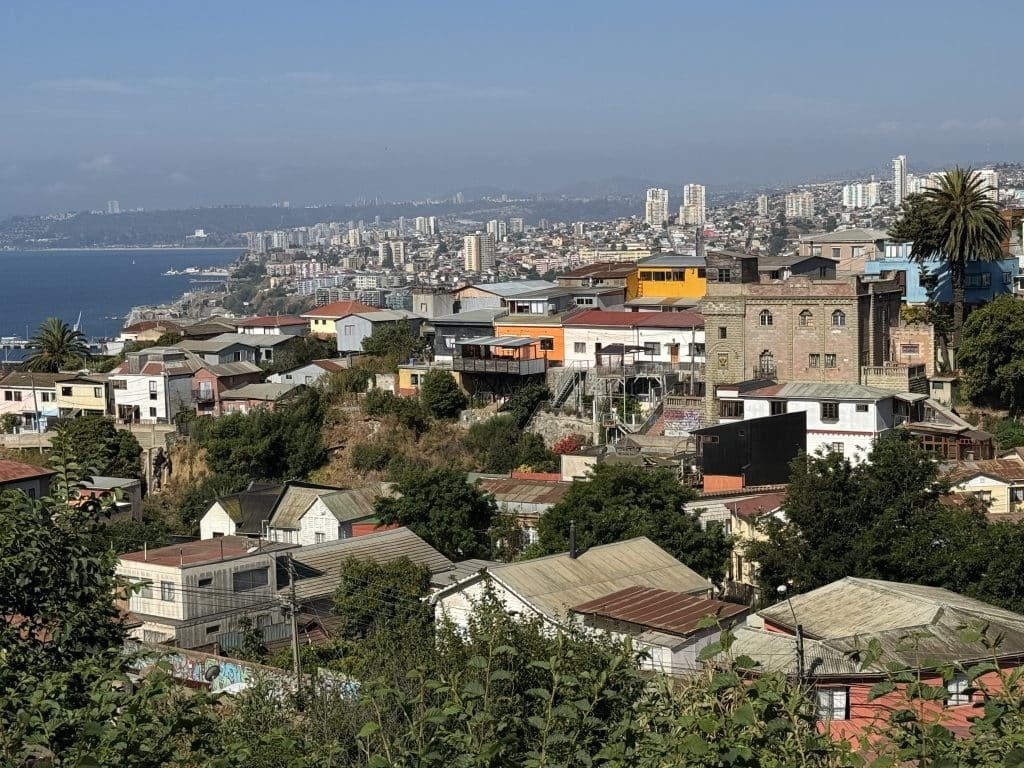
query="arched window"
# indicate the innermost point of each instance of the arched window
(838, 317)
(766, 317)
(806, 318)
(766, 363)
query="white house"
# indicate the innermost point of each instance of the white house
(356, 326)
(240, 514)
(189, 594)
(671, 338)
(273, 325)
(154, 384)
(308, 374)
(307, 514)
(846, 418)
(549, 587)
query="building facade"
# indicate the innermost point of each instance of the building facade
(656, 207)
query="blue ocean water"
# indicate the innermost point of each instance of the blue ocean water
(102, 284)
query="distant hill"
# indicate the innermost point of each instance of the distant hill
(616, 186)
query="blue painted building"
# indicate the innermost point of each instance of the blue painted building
(985, 279)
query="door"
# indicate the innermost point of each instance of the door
(673, 351)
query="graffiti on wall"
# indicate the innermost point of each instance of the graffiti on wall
(681, 423)
(201, 670)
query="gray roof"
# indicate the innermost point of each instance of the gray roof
(554, 584)
(254, 339)
(318, 567)
(294, 501)
(266, 391)
(855, 235)
(472, 317)
(463, 569)
(109, 483)
(249, 508)
(512, 288)
(388, 315)
(670, 260)
(810, 390)
(357, 503)
(234, 369)
(765, 263)
(921, 627)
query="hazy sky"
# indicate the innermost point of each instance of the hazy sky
(162, 104)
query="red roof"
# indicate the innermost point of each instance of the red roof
(15, 471)
(660, 609)
(756, 505)
(637, 319)
(202, 551)
(338, 309)
(270, 321)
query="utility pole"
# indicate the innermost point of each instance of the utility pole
(783, 589)
(293, 610)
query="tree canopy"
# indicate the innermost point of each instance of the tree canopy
(440, 506)
(441, 395)
(499, 444)
(992, 354)
(622, 502)
(383, 597)
(56, 346)
(395, 343)
(99, 447)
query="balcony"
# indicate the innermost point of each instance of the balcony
(895, 377)
(499, 365)
(201, 396)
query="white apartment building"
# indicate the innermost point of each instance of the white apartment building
(478, 252)
(861, 195)
(845, 418)
(694, 209)
(189, 594)
(762, 205)
(990, 179)
(656, 207)
(671, 338)
(899, 180)
(799, 205)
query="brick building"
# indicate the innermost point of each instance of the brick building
(793, 330)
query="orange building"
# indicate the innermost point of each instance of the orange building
(547, 329)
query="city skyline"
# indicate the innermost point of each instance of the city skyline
(191, 105)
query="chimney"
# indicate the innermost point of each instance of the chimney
(572, 539)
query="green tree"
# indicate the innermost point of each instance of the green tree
(56, 346)
(879, 519)
(500, 445)
(99, 447)
(957, 221)
(441, 395)
(383, 597)
(524, 402)
(395, 343)
(440, 506)
(621, 502)
(992, 354)
(409, 411)
(1009, 433)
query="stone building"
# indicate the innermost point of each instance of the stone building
(798, 329)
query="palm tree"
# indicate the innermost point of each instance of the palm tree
(957, 221)
(57, 345)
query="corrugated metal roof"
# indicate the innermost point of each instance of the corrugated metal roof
(15, 471)
(508, 490)
(356, 503)
(248, 509)
(812, 390)
(674, 612)
(318, 567)
(1005, 470)
(854, 235)
(29, 380)
(555, 583)
(603, 317)
(234, 369)
(265, 391)
(484, 316)
(510, 288)
(294, 501)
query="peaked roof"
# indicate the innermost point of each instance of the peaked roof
(1004, 470)
(510, 288)
(553, 585)
(15, 471)
(847, 614)
(660, 609)
(338, 309)
(318, 566)
(294, 500)
(854, 235)
(270, 321)
(23, 379)
(357, 503)
(249, 508)
(267, 391)
(815, 390)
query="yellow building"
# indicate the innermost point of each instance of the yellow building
(670, 276)
(410, 377)
(81, 394)
(997, 483)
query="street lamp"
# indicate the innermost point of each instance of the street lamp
(783, 590)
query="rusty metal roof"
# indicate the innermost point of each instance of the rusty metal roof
(675, 612)
(508, 490)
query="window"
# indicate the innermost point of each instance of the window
(814, 360)
(152, 412)
(832, 703)
(579, 347)
(938, 385)
(979, 281)
(1017, 495)
(830, 411)
(547, 345)
(696, 350)
(837, 253)
(862, 407)
(319, 538)
(47, 397)
(723, 359)
(212, 629)
(65, 392)
(97, 392)
(830, 360)
(206, 581)
(910, 349)
(238, 356)
(243, 581)
(959, 691)
(724, 276)
(766, 317)
(838, 448)
(731, 409)
(776, 407)
(350, 330)
(983, 496)
(120, 384)
(152, 390)
(414, 379)
(646, 275)
(652, 348)
(1007, 278)
(584, 301)
(709, 439)
(702, 272)
(10, 396)
(806, 319)
(145, 589)
(838, 318)
(167, 591)
(723, 332)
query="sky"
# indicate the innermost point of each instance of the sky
(183, 103)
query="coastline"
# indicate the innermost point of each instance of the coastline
(103, 248)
